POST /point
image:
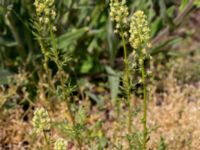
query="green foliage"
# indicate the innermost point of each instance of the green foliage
(162, 145)
(113, 80)
(183, 4)
(82, 30)
(197, 3)
(78, 44)
(135, 141)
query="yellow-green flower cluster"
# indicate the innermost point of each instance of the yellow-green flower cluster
(45, 10)
(139, 30)
(119, 14)
(60, 144)
(40, 121)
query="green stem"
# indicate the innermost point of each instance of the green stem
(72, 120)
(144, 102)
(125, 50)
(79, 143)
(47, 70)
(127, 84)
(44, 50)
(46, 141)
(60, 69)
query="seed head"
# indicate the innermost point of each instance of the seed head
(139, 30)
(40, 121)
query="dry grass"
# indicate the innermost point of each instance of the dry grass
(176, 112)
(173, 112)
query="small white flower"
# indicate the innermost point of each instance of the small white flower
(54, 28)
(45, 10)
(119, 13)
(139, 30)
(40, 121)
(46, 20)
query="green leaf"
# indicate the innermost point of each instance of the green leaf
(183, 5)
(96, 98)
(7, 43)
(112, 43)
(166, 13)
(87, 65)
(113, 79)
(102, 143)
(162, 145)
(197, 3)
(159, 48)
(155, 26)
(69, 38)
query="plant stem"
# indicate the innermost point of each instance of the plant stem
(144, 102)
(46, 140)
(62, 82)
(71, 117)
(47, 70)
(127, 84)
(79, 143)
